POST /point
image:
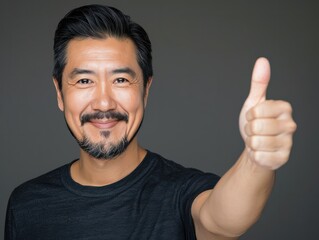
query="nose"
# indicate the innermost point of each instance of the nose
(103, 98)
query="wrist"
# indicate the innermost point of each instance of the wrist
(248, 161)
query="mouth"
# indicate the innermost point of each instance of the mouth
(104, 119)
(104, 123)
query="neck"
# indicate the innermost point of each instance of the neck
(90, 171)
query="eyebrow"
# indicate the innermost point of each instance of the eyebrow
(78, 71)
(124, 70)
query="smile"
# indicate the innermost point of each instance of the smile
(104, 123)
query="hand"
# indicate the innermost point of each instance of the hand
(266, 126)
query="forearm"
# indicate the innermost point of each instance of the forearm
(238, 199)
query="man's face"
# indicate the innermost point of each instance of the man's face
(102, 95)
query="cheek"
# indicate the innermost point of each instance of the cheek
(135, 108)
(131, 102)
(74, 104)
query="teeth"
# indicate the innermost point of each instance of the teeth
(102, 120)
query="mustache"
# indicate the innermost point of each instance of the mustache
(100, 115)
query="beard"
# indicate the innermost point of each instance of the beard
(102, 150)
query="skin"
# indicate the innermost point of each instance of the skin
(238, 199)
(96, 78)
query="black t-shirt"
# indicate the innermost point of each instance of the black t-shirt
(152, 202)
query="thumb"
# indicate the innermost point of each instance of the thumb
(259, 82)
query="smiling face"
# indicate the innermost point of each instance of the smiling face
(102, 96)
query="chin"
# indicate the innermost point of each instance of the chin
(102, 150)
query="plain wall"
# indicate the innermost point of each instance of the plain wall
(203, 54)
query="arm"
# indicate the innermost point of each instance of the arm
(238, 199)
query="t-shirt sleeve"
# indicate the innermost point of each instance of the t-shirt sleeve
(195, 183)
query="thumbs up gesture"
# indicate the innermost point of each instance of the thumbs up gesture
(266, 126)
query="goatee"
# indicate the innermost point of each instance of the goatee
(101, 151)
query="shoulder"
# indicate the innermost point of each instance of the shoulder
(37, 188)
(174, 171)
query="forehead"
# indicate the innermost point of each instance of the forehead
(108, 52)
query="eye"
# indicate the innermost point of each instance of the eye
(121, 80)
(84, 81)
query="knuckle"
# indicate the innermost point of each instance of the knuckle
(248, 142)
(259, 110)
(253, 155)
(260, 159)
(293, 126)
(290, 126)
(270, 160)
(287, 106)
(251, 114)
(257, 156)
(254, 142)
(256, 127)
(283, 157)
(248, 130)
(288, 143)
(285, 143)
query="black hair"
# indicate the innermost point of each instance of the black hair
(98, 21)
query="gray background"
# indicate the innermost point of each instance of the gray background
(204, 52)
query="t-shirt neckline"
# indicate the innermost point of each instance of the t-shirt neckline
(111, 189)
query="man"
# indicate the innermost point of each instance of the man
(118, 190)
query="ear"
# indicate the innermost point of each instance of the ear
(147, 90)
(59, 95)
